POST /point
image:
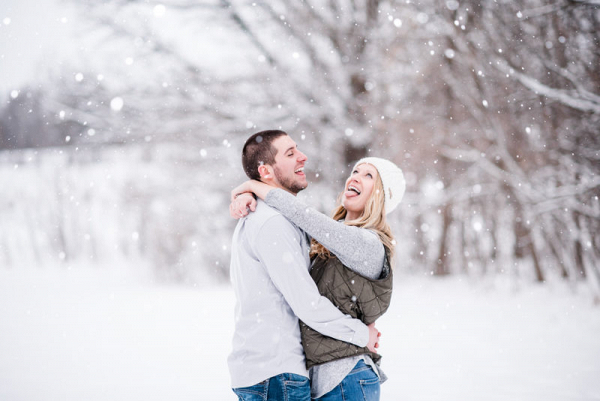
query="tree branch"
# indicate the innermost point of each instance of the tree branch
(568, 98)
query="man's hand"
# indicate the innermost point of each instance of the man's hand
(374, 335)
(242, 205)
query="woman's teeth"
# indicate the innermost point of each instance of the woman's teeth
(353, 188)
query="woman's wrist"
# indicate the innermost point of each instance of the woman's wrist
(260, 189)
(245, 193)
(240, 189)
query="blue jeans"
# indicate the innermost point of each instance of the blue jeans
(283, 387)
(360, 384)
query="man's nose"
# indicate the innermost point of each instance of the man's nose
(302, 156)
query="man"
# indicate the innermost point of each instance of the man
(273, 287)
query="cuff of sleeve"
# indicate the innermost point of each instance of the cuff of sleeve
(269, 197)
(361, 336)
(274, 196)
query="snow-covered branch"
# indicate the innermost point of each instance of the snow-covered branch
(567, 97)
(595, 3)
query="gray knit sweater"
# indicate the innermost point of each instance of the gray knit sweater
(357, 248)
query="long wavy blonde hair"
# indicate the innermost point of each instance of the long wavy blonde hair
(373, 218)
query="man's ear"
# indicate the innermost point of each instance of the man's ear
(265, 171)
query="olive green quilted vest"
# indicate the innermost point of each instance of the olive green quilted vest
(353, 294)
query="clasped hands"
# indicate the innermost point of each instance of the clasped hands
(242, 201)
(374, 335)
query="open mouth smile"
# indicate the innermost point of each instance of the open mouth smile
(352, 191)
(353, 188)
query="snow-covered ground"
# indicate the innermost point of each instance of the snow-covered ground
(96, 334)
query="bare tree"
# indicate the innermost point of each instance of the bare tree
(491, 109)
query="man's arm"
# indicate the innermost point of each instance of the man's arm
(278, 247)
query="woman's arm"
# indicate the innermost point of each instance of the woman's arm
(357, 248)
(258, 188)
(242, 201)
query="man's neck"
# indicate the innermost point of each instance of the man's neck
(274, 184)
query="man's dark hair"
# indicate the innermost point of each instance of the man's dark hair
(258, 150)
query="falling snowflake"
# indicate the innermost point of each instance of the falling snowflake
(116, 104)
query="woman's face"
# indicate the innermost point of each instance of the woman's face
(358, 189)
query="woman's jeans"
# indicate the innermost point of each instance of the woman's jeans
(360, 384)
(284, 387)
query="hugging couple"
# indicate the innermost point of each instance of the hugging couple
(309, 287)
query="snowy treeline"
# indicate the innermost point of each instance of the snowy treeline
(139, 206)
(491, 108)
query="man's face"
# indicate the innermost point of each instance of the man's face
(289, 165)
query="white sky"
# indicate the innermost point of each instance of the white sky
(31, 33)
(36, 35)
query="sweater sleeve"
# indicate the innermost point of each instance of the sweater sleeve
(357, 248)
(279, 251)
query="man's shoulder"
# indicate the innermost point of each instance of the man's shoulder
(263, 211)
(265, 214)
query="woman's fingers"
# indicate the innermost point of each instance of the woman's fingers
(237, 209)
(241, 205)
(240, 209)
(232, 211)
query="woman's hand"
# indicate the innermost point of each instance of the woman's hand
(242, 200)
(242, 205)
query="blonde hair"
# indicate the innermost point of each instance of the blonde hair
(372, 217)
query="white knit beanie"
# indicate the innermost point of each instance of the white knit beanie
(392, 178)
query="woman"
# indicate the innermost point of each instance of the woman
(350, 256)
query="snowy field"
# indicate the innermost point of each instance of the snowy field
(89, 334)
